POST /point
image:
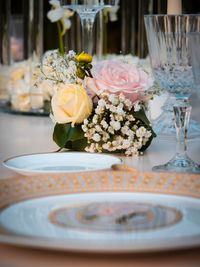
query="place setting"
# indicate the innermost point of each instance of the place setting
(86, 197)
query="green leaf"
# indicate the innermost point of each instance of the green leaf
(141, 116)
(77, 145)
(61, 133)
(76, 133)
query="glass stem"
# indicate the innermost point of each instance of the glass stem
(182, 113)
(87, 36)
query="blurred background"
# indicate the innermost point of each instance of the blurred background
(124, 34)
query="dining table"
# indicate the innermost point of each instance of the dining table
(29, 134)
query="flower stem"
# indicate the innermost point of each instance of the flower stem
(89, 73)
(60, 37)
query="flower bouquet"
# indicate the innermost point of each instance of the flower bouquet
(100, 108)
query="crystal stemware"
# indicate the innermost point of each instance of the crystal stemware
(167, 37)
(87, 10)
(194, 45)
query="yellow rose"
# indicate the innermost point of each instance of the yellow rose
(71, 104)
(83, 57)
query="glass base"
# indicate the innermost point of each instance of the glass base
(179, 164)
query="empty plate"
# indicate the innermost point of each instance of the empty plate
(60, 162)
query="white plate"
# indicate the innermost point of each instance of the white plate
(60, 162)
(90, 222)
(101, 211)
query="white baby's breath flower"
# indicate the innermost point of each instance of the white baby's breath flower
(104, 124)
(115, 125)
(130, 133)
(106, 136)
(85, 121)
(84, 127)
(110, 130)
(113, 99)
(99, 110)
(94, 120)
(130, 117)
(105, 146)
(137, 145)
(96, 137)
(126, 143)
(118, 118)
(127, 123)
(121, 98)
(128, 104)
(141, 131)
(124, 129)
(137, 107)
(113, 108)
(102, 103)
(98, 128)
(120, 111)
(148, 134)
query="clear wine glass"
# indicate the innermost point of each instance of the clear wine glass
(87, 10)
(194, 45)
(167, 37)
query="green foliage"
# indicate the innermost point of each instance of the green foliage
(64, 134)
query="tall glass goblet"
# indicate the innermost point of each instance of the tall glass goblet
(194, 45)
(167, 37)
(87, 10)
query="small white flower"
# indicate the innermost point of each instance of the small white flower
(137, 145)
(113, 99)
(110, 130)
(121, 98)
(105, 146)
(114, 143)
(127, 123)
(98, 128)
(126, 143)
(59, 13)
(130, 117)
(99, 110)
(85, 121)
(130, 133)
(104, 124)
(84, 128)
(141, 132)
(102, 103)
(96, 137)
(137, 107)
(120, 111)
(124, 129)
(128, 104)
(115, 125)
(148, 134)
(94, 119)
(113, 108)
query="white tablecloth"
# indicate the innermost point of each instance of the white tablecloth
(30, 134)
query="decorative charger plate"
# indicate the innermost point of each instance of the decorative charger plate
(107, 211)
(60, 162)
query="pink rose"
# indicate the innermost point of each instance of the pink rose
(115, 77)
